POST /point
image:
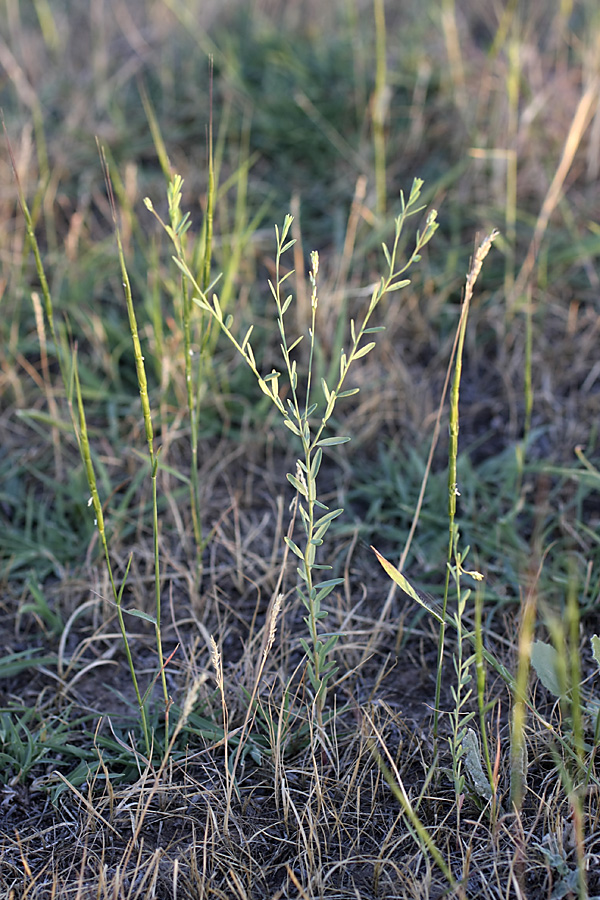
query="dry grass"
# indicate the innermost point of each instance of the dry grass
(246, 794)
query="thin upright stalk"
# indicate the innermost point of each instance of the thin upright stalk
(453, 492)
(380, 104)
(153, 455)
(84, 449)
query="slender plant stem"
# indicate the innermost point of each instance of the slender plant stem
(380, 103)
(472, 276)
(84, 449)
(147, 414)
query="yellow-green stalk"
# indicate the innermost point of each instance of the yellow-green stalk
(147, 414)
(84, 449)
(453, 492)
(380, 104)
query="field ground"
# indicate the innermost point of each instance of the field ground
(297, 741)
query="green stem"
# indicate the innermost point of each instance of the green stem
(480, 255)
(84, 449)
(380, 105)
(147, 414)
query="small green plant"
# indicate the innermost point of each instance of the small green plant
(81, 433)
(30, 741)
(308, 418)
(453, 491)
(463, 742)
(72, 386)
(38, 606)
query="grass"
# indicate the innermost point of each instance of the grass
(210, 685)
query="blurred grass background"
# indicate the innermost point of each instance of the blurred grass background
(479, 104)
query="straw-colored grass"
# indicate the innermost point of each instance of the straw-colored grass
(191, 707)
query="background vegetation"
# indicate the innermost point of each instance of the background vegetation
(230, 773)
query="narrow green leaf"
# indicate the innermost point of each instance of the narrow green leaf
(304, 515)
(303, 597)
(397, 285)
(299, 487)
(406, 586)
(202, 304)
(45, 419)
(316, 463)
(183, 268)
(294, 547)
(328, 517)
(330, 644)
(330, 583)
(140, 615)
(289, 424)
(322, 531)
(349, 393)
(13, 663)
(213, 284)
(305, 646)
(324, 591)
(364, 350)
(332, 441)
(317, 685)
(247, 337)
